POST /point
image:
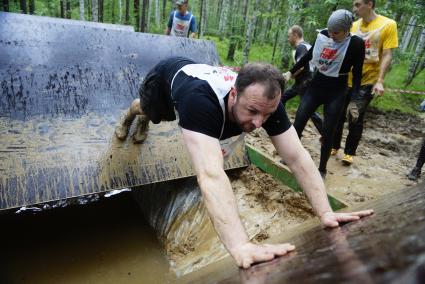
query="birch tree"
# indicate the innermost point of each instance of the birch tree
(82, 10)
(204, 17)
(249, 32)
(222, 27)
(419, 52)
(136, 14)
(94, 11)
(120, 11)
(148, 20)
(408, 34)
(157, 14)
(234, 34)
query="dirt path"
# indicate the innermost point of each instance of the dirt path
(387, 151)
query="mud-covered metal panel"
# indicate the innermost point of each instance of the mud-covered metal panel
(62, 90)
(37, 20)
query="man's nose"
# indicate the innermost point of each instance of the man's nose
(258, 121)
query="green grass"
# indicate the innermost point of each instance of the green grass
(407, 103)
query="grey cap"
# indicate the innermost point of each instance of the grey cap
(181, 2)
(340, 20)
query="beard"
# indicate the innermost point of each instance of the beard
(245, 127)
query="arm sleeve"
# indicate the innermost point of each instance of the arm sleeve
(358, 58)
(193, 27)
(300, 52)
(278, 122)
(390, 36)
(303, 60)
(200, 113)
(170, 20)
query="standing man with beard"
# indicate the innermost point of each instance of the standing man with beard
(213, 103)
(380, 36)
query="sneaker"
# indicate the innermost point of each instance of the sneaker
(121, 131)
(414, 174)
(334, 152)
(347, 160)
(142, 126)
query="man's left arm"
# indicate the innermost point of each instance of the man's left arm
(387, 56)
(302, 166)
(193, 28)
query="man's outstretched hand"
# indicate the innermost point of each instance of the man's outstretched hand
(247, 254)
(332, 219)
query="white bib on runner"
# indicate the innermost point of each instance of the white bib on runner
(180, 27)
(328, 55)
(371, 41)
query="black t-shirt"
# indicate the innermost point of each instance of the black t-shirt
(353, 61)
(300, 51)
(199, 110)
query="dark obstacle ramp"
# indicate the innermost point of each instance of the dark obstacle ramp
(63, 88)
(387, 247)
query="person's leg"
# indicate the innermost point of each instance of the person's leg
(332, 112)
(356, 128)
(289, 94)
(121, 131)
(309, 103)
(315, 117)
(336, 145)
(416, 171)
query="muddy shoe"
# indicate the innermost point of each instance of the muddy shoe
(347, 160)
(414, 174)
(334, 152)
(121, 131)
(142, 126)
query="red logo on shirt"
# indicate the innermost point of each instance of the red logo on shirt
(367, 43)
(328, 53)
(228, 78)
(180, 27)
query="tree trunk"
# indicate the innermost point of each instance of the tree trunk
(234, 31)
(408, 34)
(6, 5)
(82, 10)
(157, 14)
(62, 7)
(249, 31)
(68, 9)
(204, 19)
(143, 20)
(127, 12)
(267, 23)
(164, 11)
(276, 37)
(100, 17)
(94, 11)
(120, 11)
(201, 15)
(149, 17)
(416, 59)
(136, 15)
(23, 6)
(113, 11)
(222, 27)
(32, 7)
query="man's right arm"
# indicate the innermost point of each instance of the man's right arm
(169, 24)
(207, 158)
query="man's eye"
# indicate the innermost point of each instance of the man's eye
(252, 111)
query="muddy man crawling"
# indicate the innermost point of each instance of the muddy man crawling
(213, 104)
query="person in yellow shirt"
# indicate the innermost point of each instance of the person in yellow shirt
(380, 36)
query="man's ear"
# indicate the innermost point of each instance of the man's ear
(233, 95)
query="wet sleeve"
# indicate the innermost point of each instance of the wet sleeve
(278, 122)
(303, 60)
(390, 36)
(201, 113)
(358, 48)
(170, 20)
(193, 28)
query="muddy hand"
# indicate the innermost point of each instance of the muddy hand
(249, 253)
(378, 89)
(332, 219)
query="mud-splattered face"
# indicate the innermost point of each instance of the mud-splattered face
(252, 108)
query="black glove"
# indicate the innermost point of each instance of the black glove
(352, 112)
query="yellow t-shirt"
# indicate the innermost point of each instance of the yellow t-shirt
(378, 35)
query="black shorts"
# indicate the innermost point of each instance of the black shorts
(155, 91)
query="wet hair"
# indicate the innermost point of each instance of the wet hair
(295, 29)
(368, 1)
(262, 73)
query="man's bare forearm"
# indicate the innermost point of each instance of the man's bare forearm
(386, 59)
(222, 208)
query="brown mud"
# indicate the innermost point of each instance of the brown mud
(388, 150)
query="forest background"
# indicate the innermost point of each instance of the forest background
(254, 30)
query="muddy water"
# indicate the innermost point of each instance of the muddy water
(104, 242)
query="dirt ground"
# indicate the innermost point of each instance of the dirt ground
(267, 208)
(388, 150)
